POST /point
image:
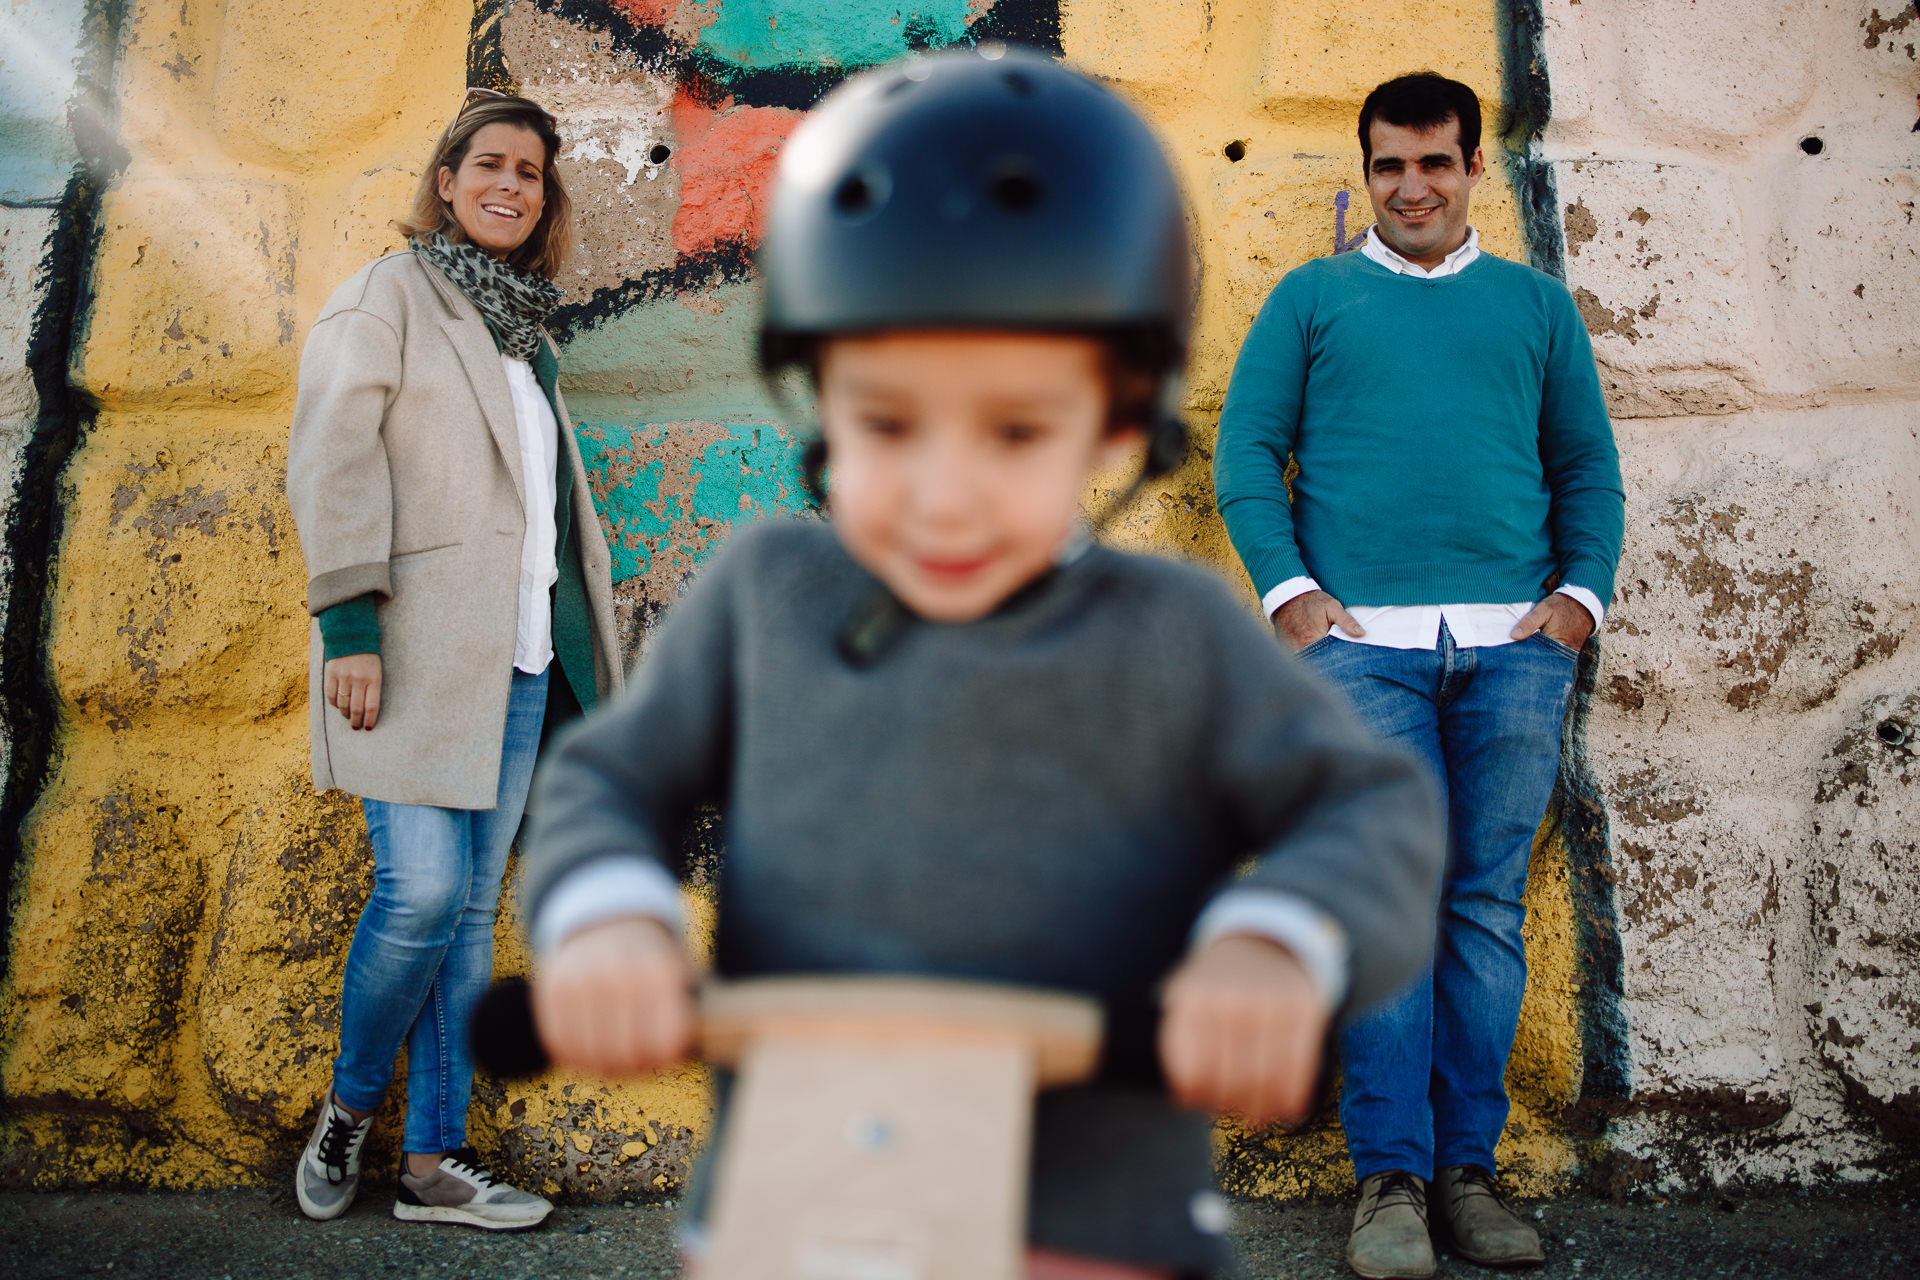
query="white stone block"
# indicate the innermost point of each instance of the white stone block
(1717, 73)
(1767, 586)
(1657, 262)
(1863, 881)
(1843, 276)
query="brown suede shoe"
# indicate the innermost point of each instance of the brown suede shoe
(1482, 1229)
(1389, 1240)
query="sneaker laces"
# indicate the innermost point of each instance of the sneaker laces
(1398, 1188)
(466, 1161)
(340, 1143)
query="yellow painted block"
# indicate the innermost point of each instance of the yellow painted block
(1155, 49)
(181, 582)
(162, 102)
(193, 303)
(1321, 60)
(302, 83)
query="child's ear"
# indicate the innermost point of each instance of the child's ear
(1119, 446)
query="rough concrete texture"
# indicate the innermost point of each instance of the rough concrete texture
(1737, 186)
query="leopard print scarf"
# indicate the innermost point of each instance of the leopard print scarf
(513, 302)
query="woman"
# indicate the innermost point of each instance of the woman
(459, 585)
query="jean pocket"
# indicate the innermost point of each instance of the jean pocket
(1307, 651)
(1564, 650)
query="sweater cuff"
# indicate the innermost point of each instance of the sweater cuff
(1588, 601)
(349, 627)
(607, 888)
(1313, 937)
(1291, 589)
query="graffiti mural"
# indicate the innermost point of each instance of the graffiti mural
(674, 113)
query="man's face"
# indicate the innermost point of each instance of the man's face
(1420, 185)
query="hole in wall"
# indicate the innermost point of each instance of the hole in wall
(1893, 733)
(1812, 145)
(660, 153)
(1235, 151)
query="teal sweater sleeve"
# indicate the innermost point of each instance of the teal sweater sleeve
(349, 627)
(1578, 455)
(1258, 426)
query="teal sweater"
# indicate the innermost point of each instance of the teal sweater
(353, 626)
(1452, 441)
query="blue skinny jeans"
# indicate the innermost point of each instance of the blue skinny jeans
(422, 953)
(1425, 1073)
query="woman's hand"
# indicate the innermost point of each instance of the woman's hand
(353, 687)
(616, 998)
(1242, 1030)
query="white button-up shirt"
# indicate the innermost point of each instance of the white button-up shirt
(1417, 626)
(539, 565)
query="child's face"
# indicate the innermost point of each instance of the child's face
(958, 458)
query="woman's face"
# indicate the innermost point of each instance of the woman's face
(500, 188)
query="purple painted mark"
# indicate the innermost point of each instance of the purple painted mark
(1340, 242)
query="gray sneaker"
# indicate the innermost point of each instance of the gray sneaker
(1389, 1240)
(461, 1189)
(329, 1169)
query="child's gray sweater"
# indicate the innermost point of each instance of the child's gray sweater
(1048, 796)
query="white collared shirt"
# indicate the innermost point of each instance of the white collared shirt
(1417, 626)
(539, 563)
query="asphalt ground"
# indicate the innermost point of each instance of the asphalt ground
(1859, 1234)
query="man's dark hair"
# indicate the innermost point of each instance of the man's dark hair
(1423, 100)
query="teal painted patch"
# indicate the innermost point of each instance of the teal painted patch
(849, 33)
(670, 491)
(672, 359)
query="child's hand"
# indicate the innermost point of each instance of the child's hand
(1242, 1030)
(616, 998)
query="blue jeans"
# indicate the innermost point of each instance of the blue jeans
(1425, 1073)
(423, 951)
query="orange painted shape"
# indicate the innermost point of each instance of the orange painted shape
(726, 159)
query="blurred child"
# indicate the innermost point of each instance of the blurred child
(950, 735)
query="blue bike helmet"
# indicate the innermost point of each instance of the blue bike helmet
(980, 189)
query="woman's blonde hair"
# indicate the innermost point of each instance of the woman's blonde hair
(544, 251)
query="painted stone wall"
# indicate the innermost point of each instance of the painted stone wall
(182, 901)
(1737, 183)
(39, 76)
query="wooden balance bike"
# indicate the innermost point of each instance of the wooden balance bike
(879, 1127)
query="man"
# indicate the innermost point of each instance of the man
(1442, 554)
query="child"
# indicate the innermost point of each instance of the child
(949, 736)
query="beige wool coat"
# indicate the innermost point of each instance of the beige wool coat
(404, 475)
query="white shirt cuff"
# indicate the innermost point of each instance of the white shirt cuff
(601, 890)
(1286, 591)
(1588, 601)
(1315, 938)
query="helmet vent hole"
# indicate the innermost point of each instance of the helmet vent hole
(1235, 151)
(1018, 83)
(854, 196)
(1016, 192)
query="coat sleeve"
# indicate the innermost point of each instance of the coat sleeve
(625, 781)
(1331, 814)
(339, 483)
